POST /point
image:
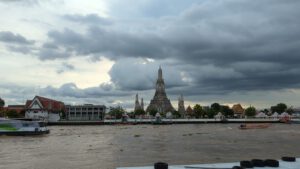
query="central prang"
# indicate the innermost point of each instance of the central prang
(160, 101)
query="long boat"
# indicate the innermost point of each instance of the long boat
(254, 126)
(21, 128)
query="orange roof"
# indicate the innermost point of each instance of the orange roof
(189, 110)
(238, 109)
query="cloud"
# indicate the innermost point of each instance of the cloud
(52, 54)
(21, 2)
(98, 41)
(71, 90)
(65, 67)
(205, 47)
(20, 49)
(88, 19)
(141, 74)
(9, 37)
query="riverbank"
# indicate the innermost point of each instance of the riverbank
(167, 121)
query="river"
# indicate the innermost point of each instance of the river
(108, 147)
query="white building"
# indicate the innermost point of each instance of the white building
(44, 109)
(85, 112)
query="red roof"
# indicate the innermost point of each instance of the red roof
(48, 104)
(17, 108)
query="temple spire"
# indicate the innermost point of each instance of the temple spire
(137, 97)
(181, 108)
(137, 104)
(160, 101)
(160, 76)
(142, 104)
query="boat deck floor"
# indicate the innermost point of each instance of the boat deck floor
(282, 165)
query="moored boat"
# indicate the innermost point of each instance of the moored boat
(22, 128)
(254, 126)
(295, 121)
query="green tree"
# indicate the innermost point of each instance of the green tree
(117, 112)
(198, 111)
(215, 107)
(211, 113)
(227, 111)
(290, 110)
(131, 114)
(2, 103)
(12, 114)
(153, 112)
(274, 109)
(281, 107)
(250, 111)
(176, 114)
(139, 112)
(2, 113)
(266, 111)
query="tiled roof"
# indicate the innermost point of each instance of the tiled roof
(238, 109)
(189, 110)
(49, 104)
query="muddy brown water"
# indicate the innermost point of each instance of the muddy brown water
(108, 147)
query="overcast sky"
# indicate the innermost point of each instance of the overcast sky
(104, 52)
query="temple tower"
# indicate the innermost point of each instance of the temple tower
(181, 108)
(142, 104)
(137, 104)
(160, 101)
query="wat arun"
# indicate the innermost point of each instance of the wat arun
(160, 101)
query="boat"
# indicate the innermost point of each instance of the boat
(285, 119)
(291, 121)
(254, 126)
(295, 121)
(21, 128)
(268, 164)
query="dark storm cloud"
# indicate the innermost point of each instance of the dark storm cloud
(140, 74)
(108, 42)
(148, 9)
(9, 37)
(88, 19)
(214, 32)
(218, 47)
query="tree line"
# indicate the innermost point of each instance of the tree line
(199, 111)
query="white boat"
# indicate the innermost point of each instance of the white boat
(282, 165)
(21, 128)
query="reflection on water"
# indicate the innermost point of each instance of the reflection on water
(107, 147)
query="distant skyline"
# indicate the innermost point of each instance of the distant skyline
(104, 52)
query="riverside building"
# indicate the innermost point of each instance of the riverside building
(43, 108)
(85, 112)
